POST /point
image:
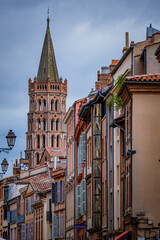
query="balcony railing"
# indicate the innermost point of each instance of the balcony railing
(49, 216)
(20, 219)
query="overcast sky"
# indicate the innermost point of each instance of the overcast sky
(86, 35)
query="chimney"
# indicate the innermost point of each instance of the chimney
(55, 162)
(21, 155)
(127, 42)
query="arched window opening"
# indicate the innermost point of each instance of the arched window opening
(52, 124)
(40, 106)
(37, 158)
(38, 141)
(44, 104)
(39, 124)
(43, 141)
(58, 141)
(44, 124)
(57, 121)
(51, 105)
(52, 141)
(56, 105)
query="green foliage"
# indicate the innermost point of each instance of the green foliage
(116, 102)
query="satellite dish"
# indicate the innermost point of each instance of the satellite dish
(22, 164)
(25, 168)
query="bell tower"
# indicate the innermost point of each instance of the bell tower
(47, 106)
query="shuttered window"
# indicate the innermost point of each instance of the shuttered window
(84, 156)
(53, 193)
(62, 190)
(55, 226)
(23, 232)
(58, 191)
(78, 201)
(83, 196)
(61, 225)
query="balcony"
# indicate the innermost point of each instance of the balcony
(49, 216)
(20, 219)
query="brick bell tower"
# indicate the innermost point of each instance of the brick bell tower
(47, 106)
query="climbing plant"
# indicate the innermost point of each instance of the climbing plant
(115, 101)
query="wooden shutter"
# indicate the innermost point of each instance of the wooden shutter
(53, 193)
(84, 195)
(62, 190)
(8, 217)
(78, 201)
(58, 191)
(55, 226)
(61, 225)
(84, 157)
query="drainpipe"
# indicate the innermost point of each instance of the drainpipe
(106, 174)
(145, 61)
(132, 60)
(74, 164)
(113, 174)
(130, 143)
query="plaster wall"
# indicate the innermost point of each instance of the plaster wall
(146, 164)
(153, 66)
(124, 66)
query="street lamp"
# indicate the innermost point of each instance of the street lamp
(4, 165)
(11, 138)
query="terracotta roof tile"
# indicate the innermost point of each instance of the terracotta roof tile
(41, 185)
(144, 78)
(40, 176)
(59, 152)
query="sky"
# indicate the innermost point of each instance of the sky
(86, 35)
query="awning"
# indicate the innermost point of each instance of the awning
(124, 233)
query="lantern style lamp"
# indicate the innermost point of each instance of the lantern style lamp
(11, 138)
(4, 165)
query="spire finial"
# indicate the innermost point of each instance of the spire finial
(48, 18)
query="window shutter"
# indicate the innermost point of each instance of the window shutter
(58, 191)
(56, 226)
(78, 201)
(81, 153)
(78, 158)
(62, 190)
(31, 204)
(84, 195)
(8, 217)
(61, 225)
(81, 197)
(50, 205)
(53, 193)
(84, 157)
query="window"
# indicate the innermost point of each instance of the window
(40, 106)
(61, 225)
(52, 141)
(52, 103)
(57, 121)
(43, 141)
(44, 105)
(39, 124)
(56, 105)
(58, 191)
(38, 141)
(44, 124)
(81, 199)
(37, 158)
(55, 226)
(58, 141)
(52, 124)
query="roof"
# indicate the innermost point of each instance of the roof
(40, 176)
(48, 67)
(144, 78)
(59, 165)
(42, 185)
(59, 152)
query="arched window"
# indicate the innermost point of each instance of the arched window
(43, 141)
(52, 141)
(57, 121)
(44, 124)
(37, 158)
(40, 106)
(58, 141)
(39, 124)
(56, 105)
(44, 105)
(52, 105)
(38, 141)
(52, 124)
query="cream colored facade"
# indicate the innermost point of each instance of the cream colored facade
(69, 121)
